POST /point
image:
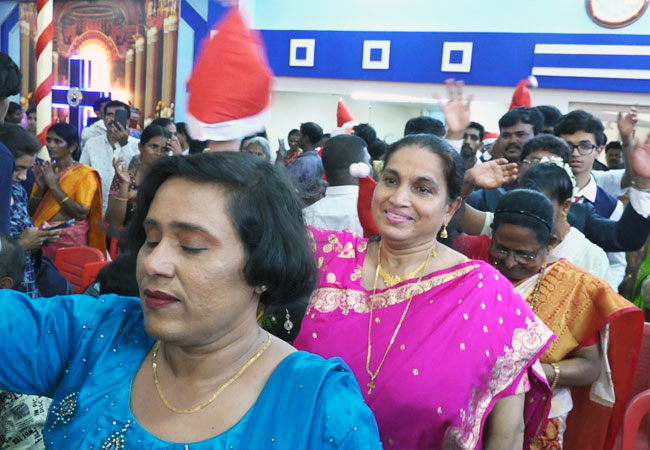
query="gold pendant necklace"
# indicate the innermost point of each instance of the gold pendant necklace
(373, 375)
(154, 354)
(392, 280)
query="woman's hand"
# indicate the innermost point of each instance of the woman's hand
(39, 176)
(641, 164)
(174, 145)
(50, 177)
(456, 110)
(121, 171)
(34, 238)
(626, 124)
(489, 175)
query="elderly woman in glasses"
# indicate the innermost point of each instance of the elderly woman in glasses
(598, 332)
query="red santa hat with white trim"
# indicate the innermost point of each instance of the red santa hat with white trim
(344, 120)
(230, 87)
(521, 96)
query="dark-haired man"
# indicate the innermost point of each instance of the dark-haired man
(614, 155)
(338, 209)
(516, 127)
(425, 124)
(100, 151)
(307, 167)
(472, 144)
(98, 128)
(551, 115)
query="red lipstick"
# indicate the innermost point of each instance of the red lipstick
(158, 299)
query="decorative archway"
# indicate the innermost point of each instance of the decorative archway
(98, 39)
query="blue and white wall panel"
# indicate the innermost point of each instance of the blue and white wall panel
(567, 61)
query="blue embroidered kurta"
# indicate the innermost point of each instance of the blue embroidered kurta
(84, 352)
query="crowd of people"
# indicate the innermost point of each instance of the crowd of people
(451, 289)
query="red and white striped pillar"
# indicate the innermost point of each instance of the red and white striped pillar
(44, 75)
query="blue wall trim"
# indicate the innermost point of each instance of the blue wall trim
(6, 27)
(196, 22)
(500, 59)
(201, 27)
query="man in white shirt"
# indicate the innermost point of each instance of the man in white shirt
(338, 209)
(98, 128)
(100, 151)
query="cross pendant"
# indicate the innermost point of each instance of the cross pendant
(371, 386)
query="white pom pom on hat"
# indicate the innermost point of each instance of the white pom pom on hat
(359, 170)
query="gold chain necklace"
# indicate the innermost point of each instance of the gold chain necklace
(392, 280)
(373, 375)
(154, 354)
(538, 288)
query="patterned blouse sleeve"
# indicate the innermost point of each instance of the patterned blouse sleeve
(115, 186)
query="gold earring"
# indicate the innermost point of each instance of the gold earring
(443, 233)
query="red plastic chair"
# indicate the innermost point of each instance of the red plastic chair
(634, 430)
(71, 261)
(90, 273)
(636, 411)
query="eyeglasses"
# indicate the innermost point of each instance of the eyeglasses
(519, 256)
(584, 147)
(531, 161)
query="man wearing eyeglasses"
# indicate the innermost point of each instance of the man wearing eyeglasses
(584, 133)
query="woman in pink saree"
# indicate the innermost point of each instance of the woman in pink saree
(446, 354)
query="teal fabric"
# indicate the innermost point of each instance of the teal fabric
(84, 352)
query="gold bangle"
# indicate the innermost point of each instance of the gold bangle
(37, 197)
(64, 200)
(123, 199)
(556, 378)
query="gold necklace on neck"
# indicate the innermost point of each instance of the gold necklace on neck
(538, 288)
(169, 406)
(373, 375)
(392, 280)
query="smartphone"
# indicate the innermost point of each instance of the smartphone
(65, 224)
(282, 148)
(121, 117)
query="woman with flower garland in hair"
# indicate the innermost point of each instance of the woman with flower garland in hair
(591, 363)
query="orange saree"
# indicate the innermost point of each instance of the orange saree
(576, 306)
(82, 184)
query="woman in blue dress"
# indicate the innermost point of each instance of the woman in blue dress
(186, 365)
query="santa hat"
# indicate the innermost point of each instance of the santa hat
(490, 137)
(521, 96)
(230, 87)
(344, 120)
(364, 201)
